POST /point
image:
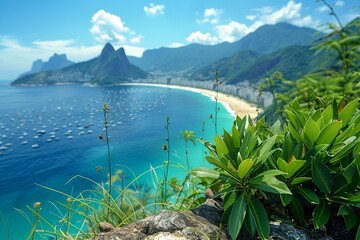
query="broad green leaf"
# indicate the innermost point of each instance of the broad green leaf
(276, 127)
(295, 104)
(357, 148)
(340, 184)
(291, 117)
(321, 122)
(329, 132)
(235, 136)
(349, 215)
(223, 167)
(284, 167)
(294, 133)
(229, 142)
(310, 132)
(260, 217)
(245, 167)
(347, 113)
(272, 172)
(298, 180)
(231, 166)
(237, 216)
(229, 199)
(348, 132)
(273, 185)
(321, 176)
(295, 165)
(310, 196)
(266, 147)
(350, 143)
(321, 215)
(288, 147)
(221, 148)
(285, 199)
(205, 173)
(328, 114)
(250, 222)
(297, 210)
(269, 173)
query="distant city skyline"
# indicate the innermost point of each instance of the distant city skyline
(31, 30)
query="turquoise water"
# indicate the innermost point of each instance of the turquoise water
(50, 134)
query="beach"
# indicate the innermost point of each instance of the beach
(234, 105)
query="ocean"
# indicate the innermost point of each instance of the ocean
(50, 134)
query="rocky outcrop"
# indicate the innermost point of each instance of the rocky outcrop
(110, 68)
(200, 223)
(165, 225)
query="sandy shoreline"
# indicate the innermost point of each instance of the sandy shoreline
(234, 105)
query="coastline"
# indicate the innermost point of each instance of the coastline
(233, 105)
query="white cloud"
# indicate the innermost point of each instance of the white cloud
(108, 27)
(16, 58)
(211, 15)
(136, 39)
(291, 12)
(251, 17)
(154, 9)
(175, 45)
(322, 9)
(232, 31)
(204, 38)
(339, 3)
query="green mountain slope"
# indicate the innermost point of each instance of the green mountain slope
(111, 67)
(190, 58)
(292, 61)
(270, 38)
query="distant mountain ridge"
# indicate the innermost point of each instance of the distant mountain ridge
(193, 57)
(293, 62)
(111, 67)
(56, 61)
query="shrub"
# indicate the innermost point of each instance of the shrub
(313, 161)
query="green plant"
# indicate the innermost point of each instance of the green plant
(328, 175)
(244, 168)
(218, 82)
(106, 111)
(166, 147)
(311, 166)
(188, 136)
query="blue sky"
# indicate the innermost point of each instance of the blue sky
(36, 29)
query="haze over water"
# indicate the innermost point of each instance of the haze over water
(50, 134)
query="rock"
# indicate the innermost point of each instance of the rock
(210, 210)
(166, 225)
(284, 231)
(105, 227)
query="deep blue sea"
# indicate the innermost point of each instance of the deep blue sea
(50, 134)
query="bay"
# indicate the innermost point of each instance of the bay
(49, 134)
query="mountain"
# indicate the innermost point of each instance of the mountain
(182, 59)
(56, 61)
(292, 62)
(266, 39)
(269, 38)
(111, 67)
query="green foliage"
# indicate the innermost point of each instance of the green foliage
(317, 90)
(313, 164)
(243, 161)
(329, 141)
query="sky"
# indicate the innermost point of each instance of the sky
(36, 29)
